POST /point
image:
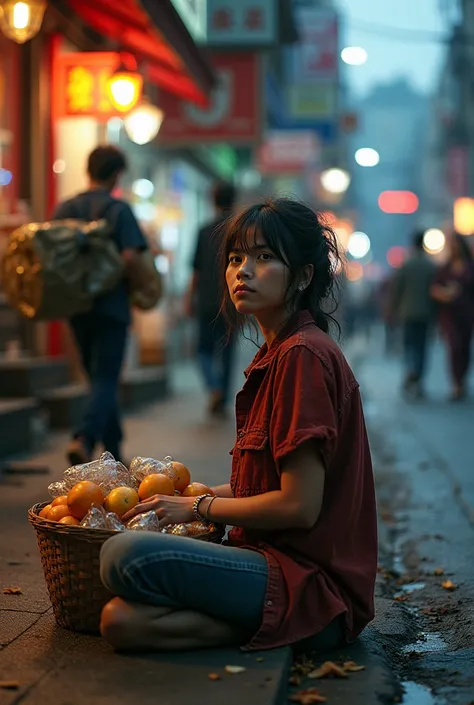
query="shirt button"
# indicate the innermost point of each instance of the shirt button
(241, 434)
(269, 603)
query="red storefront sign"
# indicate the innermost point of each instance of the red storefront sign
(234, 111)
(80, 84)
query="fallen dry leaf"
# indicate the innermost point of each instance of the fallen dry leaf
(449, 585)
(9, 685)
(12, 591)
(308, 696)
(329, 668)
(352, 667)
(295, 680)
(401, 598)
(214, 677)
(438, 571)
(235, 669)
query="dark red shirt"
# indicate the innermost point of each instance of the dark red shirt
(302, 388)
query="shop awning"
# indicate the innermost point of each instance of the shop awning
(153, 31)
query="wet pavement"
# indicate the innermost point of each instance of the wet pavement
(424, 452)
(422, 639)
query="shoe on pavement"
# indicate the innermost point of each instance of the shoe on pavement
(77, 453)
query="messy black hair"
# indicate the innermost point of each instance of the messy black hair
(105, 162)
(298, 236)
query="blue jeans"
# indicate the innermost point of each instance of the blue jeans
(101, 341)
(415, 335)
(216, 356)
(223, 582)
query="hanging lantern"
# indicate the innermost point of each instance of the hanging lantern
(125, 88)
(143, 123)
(21, 21)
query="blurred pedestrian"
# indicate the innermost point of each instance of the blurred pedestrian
(411, 305)
(215, 348)
(101, 334)
(453, 290)
(300, 563)
(386, 315)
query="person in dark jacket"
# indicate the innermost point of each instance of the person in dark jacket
(215, 348)
(101, 334)
(412, 307)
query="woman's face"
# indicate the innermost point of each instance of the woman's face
(257, 280)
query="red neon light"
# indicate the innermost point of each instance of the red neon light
(396, 256)
(404, 202)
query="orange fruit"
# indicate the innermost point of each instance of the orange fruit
(157, 483)
(44, 512)
(182, 476)
(82, 497)
(59, 500)
(69, 520)
(195, 489)
(58, 512)
(120, 500)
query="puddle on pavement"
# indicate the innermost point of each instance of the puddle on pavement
(431, 642)
(417, 694)
(412, 587)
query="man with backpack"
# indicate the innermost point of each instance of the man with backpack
(101, 334)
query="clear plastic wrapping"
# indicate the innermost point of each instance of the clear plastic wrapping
(98, 518)
(144, 522)
(194, 528)
(142, 467)
(106, 472)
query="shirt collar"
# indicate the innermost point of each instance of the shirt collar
(265, 355)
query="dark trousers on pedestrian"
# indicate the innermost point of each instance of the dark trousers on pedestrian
(458, 335)
(415, 338)
(216, 357)
(101, 341)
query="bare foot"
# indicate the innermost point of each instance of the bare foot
(131, 626)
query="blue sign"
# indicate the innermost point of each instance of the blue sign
(279, 118)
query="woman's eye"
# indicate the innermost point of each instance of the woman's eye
(266, 256)
(234, 259)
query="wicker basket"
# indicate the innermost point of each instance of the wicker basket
(70, 559)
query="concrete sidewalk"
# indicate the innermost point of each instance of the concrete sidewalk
(53, 665)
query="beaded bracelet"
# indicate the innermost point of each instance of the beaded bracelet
(196, 503)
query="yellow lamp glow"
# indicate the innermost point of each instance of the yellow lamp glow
(125, 89)
(143, 123)
(464, 216)
(21, 21)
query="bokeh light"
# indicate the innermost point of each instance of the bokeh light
(434, 241)
(358, 245)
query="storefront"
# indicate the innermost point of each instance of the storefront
(55, 142)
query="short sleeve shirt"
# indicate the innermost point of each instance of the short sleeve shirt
(302, 388)
(125, 231)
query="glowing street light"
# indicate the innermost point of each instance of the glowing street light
(143, 123)
(434, 241)
(354, 56)
(358, 245)
(125, 88)
(335, 180)
(366, 156)
(21, 21)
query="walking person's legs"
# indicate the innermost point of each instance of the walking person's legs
(101, 422)
(420, 336)
(409, 347)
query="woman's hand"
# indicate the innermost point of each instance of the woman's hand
(169, 510)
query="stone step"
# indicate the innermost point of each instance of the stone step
(17, 419)
(65, 405)
(30, 376)
(145, 385)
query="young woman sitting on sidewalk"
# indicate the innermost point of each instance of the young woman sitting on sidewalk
(300, 564)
